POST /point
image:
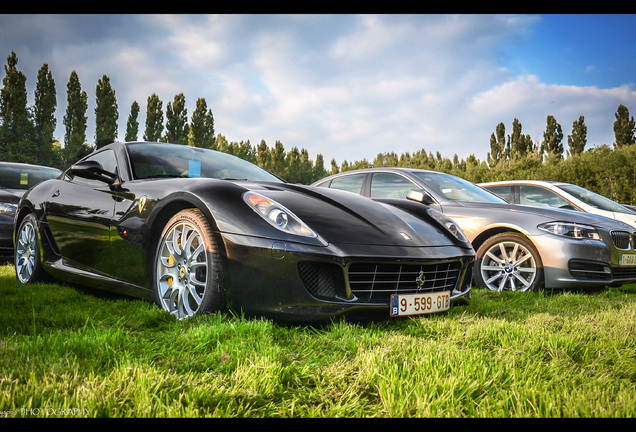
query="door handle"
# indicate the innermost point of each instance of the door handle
(56, 193)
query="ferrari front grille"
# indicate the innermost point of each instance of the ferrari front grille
(376, 282)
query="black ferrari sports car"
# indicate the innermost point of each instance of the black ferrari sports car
(200, 231)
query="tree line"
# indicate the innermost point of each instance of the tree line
(26, 135)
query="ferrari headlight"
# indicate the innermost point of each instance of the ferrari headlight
(8, 209)
(571, 229)
(277, 215)
(449, 224)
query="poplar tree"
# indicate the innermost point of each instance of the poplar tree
(16, 129)
(106, 113)
(578, 138)
(132, 125)
(552, 143)
(75, 146)
(202, 126)
(177, 121)
(154, 118)
(624, 127)
(497, 145)
(44, 117)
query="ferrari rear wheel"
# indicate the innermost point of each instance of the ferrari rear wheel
(188, 267)
(508, 262)
(28, 267)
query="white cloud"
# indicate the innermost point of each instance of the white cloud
(345, 86)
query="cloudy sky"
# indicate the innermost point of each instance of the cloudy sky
(346, 86)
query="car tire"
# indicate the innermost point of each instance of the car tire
(28, 267)
(508, 261)
(188, 269)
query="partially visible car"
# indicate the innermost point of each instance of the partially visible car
(200, 231)
(542, 193)
(518, 248)
(15, 179)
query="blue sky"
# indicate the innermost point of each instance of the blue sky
(346, 86)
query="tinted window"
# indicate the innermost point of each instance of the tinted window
(23, 176)
(538, 196)
(389, 185)
(501, 191)
(349, 183)
(108, 161)
(151, 160)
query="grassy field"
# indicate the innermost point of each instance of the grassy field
(66, 352)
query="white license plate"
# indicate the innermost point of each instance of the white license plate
(419, 304)
(627, 260)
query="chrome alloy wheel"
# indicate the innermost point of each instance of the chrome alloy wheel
(26, 251)
(181, 269)
(508, 265)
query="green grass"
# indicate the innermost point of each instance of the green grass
(66, 352)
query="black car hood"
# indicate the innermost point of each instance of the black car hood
(344, 217)
(11, 195)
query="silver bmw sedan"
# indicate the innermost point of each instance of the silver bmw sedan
(518, 248)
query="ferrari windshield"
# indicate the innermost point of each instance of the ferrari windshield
(456, 189)
(153, 160)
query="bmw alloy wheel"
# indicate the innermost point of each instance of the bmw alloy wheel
(509, 262)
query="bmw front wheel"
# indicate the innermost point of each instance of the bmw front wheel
(508, 261)
(188, 270)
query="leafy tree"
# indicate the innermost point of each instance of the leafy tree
(75, 146)
(278, 159)
(177, 121)
(202, 126)
(154, 119)
(132, 125)
(16, 130)
(319, 168)
(624, 127)
(578, 139)
(263, 156)
(552, 139)
(106, 113)
(44, 117)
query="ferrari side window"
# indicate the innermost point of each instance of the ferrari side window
(349, 183)
(388, 185)
(108, 161)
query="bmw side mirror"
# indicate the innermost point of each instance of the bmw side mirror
(93, 170)
(421, 196)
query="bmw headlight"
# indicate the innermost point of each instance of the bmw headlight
(8, 209)
(277, 215)
(571, 229)
(449, 224)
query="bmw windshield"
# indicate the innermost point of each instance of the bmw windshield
(457, 189)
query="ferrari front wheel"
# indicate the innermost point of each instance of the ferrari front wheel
(28, 267)
(188, 269)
